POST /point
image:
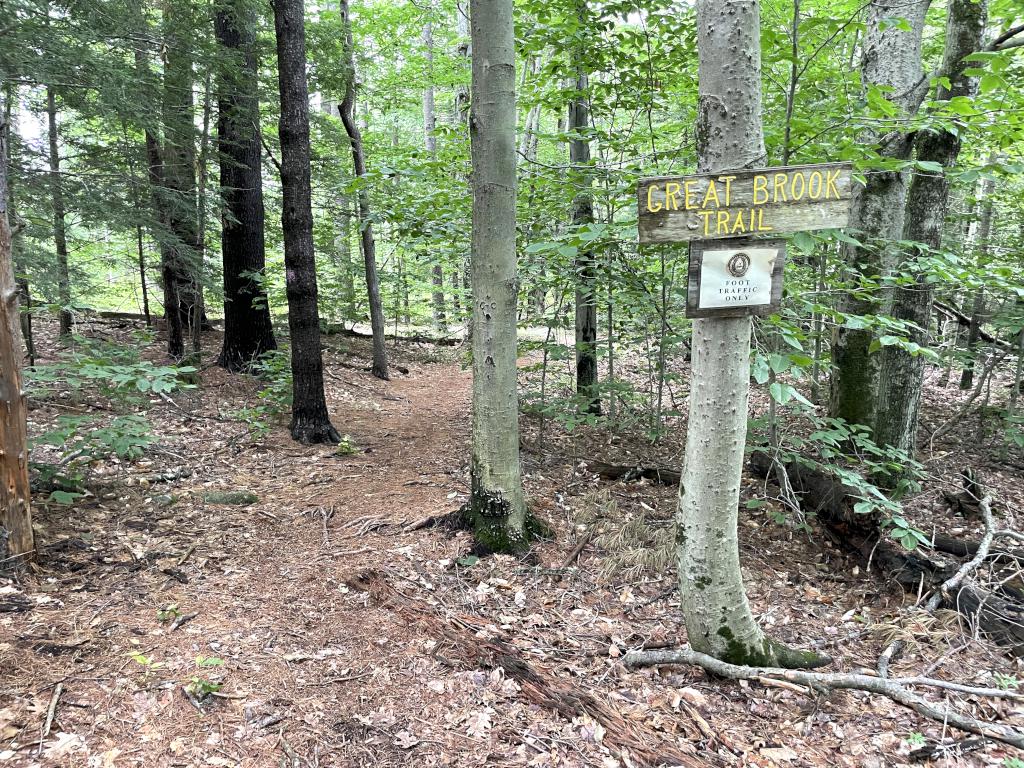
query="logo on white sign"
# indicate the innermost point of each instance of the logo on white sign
(737, 277)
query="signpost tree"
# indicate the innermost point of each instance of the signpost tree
(733, 275)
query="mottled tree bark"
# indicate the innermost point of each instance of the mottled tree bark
(901, 375)
(248, 332)
(430, 142)
(729, 135)
(583, 214)
(310, 420)
(891, 60)
(497, 507)
(16, 538)
(60, 240)
(369, 245)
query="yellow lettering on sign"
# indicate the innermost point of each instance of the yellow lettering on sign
(739, 225)
(761, 226)
(815, 177)
(831, 177)
(794, 195)
(722, 223)
(671, 190)
(650, 199)
(760, 188)
(706, 215)
(728, 188)
(779, 186)
(711, 192)
(689, 192)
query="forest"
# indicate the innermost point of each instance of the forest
(511, 383)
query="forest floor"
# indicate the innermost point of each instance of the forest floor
(347, 639)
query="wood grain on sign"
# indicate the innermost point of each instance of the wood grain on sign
(766, 201)
(713, 292)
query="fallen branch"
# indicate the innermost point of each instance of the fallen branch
(964, 409)
(578, 549)
(622, 472)
(893, 689)
(954, 314)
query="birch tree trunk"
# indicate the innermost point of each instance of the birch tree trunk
(892, 60)
(901, 375)
(496, 511)
(369, 245)
(248, 332)
(60, 239)
(16, 539)
(583, 214)
(729, 136)
(310, 420)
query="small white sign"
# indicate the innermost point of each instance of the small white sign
(736, 277)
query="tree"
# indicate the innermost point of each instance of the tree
(310, 420)
(16, 539)
(60, 239)
(496, 510)
(901, 373)
(430, 142)
(983, 240)
(582, 215)
(347, 110)
(729, 136)
(247, 328)
(178, 200)
(890, 68)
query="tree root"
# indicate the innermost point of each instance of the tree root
(895, 689)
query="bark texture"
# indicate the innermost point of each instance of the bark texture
(583, 214)
(16, 539)
(247, 328)
(978, 304)
(369, 245)
(430, 143)
(177, 197)
(729, 135)
(310, 420)
(497, 508)
(60, 240)
(901, 374)
(891, 60)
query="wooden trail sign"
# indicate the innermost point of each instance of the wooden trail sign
(765, 201)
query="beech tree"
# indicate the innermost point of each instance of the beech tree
(16, 540)
(496, 510)
(729, 136)
(310, 420)
(247, 327)
(891, 67)
(901, 373)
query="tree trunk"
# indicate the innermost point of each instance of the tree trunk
(729, 135)
(582, 215)
(430, 142)
(310, 420)
(369, 246)
(178, 196)
(17, 241)
(497, 507)
(978, 305)
(16, 538)
(60, 240)
(901, 375)
(892, 60)
(248, 332)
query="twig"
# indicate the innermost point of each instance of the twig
(182, 620)
(187, 555)
(51, 712)
(966, 407)
(578, 549)
(894, 689)
(953, 582)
